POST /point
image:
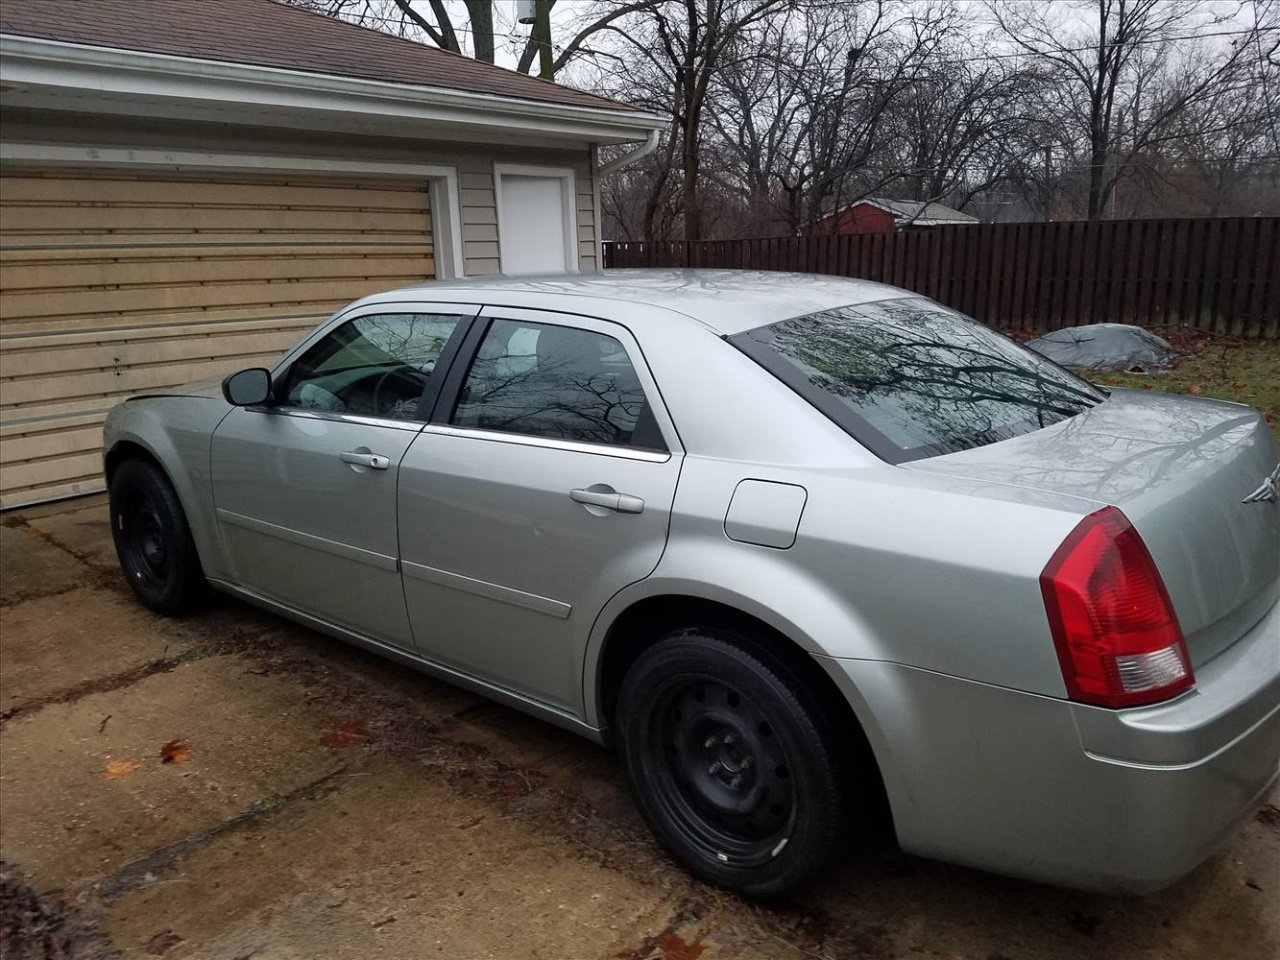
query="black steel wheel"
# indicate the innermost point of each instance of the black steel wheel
(153, 541)
(733, 763)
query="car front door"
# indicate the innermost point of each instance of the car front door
(542, 486)
(305, 489)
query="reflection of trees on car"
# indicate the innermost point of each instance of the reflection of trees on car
(551, 400)
(927, 378)
(373, 365)
(589, 395)
(414, 339)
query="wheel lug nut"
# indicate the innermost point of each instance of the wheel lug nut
(746, 762)
(711, 742)
(728, 739)
(714, 768)
(736, 782)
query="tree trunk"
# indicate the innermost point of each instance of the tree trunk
(481, 15)
(689, 207)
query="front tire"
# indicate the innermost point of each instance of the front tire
(733, 762)
(153, 541)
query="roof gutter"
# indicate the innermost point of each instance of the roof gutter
(631, 156)
(31, 67)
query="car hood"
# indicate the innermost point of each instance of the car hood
(210, 389)
(1179, 468)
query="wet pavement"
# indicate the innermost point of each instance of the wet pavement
(231, 785)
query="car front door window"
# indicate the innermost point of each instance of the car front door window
(376, 365)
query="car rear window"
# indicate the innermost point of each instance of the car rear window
(911, 379)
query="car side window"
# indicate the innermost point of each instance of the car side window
(556, 382)
(375, 366)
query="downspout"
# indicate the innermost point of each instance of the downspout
(617, 163)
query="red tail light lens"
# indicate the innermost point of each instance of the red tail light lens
(1117, 635)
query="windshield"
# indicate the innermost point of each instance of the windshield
(911, 379)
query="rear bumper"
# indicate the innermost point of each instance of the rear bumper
(1032, 786)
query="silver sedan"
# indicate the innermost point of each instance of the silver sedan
(820, 557)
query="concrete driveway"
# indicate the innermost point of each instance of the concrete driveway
(233, 786)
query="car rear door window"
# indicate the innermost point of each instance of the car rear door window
(375, 365)
(556, 382)
(911, 379)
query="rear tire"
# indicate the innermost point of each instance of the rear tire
(153, 540)
(734, 763)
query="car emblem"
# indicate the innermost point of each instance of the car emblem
(1270, 489)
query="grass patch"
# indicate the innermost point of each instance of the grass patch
(1246, 373)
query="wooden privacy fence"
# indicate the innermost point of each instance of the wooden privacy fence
(1218, 275)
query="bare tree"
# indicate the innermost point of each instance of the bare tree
(962, 127)
(781, 112)
(431, 21)
(684, 44)
(1123, 81)
(842, 100)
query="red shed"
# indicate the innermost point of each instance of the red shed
(877, 215)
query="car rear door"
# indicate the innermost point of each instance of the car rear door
(542, 486)
(305, 489)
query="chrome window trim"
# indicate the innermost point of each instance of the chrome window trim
(413, 426)
(526, 440)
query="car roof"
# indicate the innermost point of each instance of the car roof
(726, 301)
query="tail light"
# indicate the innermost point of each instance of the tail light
(1117, 635)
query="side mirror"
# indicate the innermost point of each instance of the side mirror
(248, 388)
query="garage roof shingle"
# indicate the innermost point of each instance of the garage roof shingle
(267, 33)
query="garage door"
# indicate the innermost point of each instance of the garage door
(115, 283)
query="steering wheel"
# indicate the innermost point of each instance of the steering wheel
(383, 404)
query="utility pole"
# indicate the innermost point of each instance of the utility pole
(542, 36)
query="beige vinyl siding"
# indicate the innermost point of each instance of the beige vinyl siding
(473, 162)
(588, 244)
(114, 282)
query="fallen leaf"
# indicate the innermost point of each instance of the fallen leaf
(162, 943)
(674, 947)
(347, 734)
(175, 751)
(120, 768)
(1195, 390)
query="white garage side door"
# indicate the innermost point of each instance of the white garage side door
(537, 221)
(119, 282)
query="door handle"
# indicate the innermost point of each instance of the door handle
(374, 461)
(618, 502)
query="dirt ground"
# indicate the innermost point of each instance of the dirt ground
(233, 786)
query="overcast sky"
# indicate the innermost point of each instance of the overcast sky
(510, 36)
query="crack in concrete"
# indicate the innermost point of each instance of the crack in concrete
(143, 869)
(22, 523)
(114, 681)
(24, 595)
(125, 678)
(93, 576)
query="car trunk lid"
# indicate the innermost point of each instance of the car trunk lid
(1179, 468)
